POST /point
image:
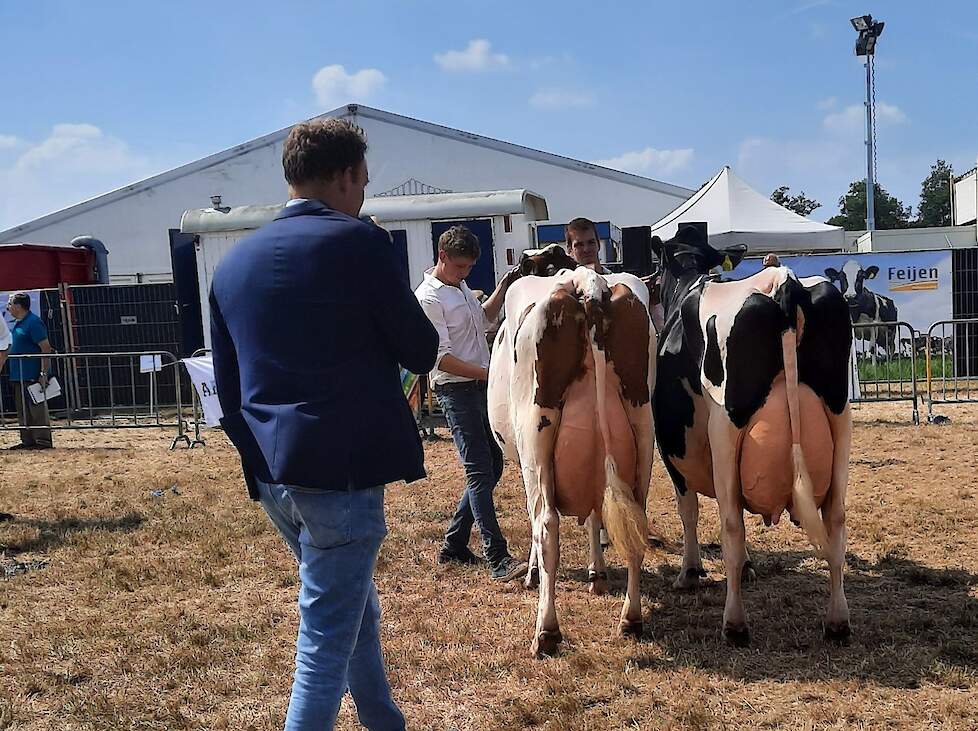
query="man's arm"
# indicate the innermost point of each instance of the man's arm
(445, 361)
(3, 358)
(458, 367)
(403, 326)
(494, 303)
(45, 346)
(225, 360)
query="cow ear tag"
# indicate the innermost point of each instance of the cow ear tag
(727, 264)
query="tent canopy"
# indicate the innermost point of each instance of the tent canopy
(735, 213)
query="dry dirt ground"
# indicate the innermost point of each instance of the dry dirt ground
(143, 590)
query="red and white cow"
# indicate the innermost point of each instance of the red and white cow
(570, 383)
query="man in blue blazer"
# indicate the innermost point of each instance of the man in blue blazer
(310, 317)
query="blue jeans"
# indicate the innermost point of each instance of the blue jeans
(335, 536)
(467, 413)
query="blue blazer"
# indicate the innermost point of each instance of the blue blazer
(310, 317)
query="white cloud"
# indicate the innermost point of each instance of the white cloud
(9, 142)
(477, 56)
(811, 4)
(650, 161)
(544, 61)
(890, 113)
(853, 117)
(827, 103)
(73, 163)
(334, 86)
(561, 99)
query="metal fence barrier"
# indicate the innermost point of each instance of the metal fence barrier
(106, 391)
(197, 412)
(952, 363)
(886, 367)
(427, 413)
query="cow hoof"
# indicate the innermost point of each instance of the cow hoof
(838, 632)
(630, 628)
(597, 582)
(545, 644)
(747, 574)
(688, 579)
(737, 635)
(532, 580)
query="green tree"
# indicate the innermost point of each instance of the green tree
(935, 196)
(889, 212)
(798, 203)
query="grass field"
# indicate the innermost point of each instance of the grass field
(143, 590)
(901, 368)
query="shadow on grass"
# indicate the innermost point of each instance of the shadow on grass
(55, 533)
(911, 623)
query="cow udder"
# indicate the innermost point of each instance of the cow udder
(765, 455)
(579, 476)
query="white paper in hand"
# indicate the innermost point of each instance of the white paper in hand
(39, 395)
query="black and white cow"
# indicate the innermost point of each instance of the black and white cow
(751, 407)
(865, 306)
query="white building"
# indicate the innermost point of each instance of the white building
(405, 156)
(964, 199)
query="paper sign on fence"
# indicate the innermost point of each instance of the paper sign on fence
(148, 363)
(38, 394)
(201, 372)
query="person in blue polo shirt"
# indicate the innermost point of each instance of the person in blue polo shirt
(28, 335)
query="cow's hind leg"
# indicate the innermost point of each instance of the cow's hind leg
(724, 437)
(597, 571)
(532, 579)
(546, 534)
(692, 568)
(834, 517)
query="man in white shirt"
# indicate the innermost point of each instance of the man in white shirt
(459, 382)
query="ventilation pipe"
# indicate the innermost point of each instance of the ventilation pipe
(101, 255)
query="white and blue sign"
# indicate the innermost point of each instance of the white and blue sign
(912, 287)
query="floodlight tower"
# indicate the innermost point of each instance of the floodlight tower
(869, 32)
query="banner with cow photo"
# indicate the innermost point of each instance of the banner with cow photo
(912, 287)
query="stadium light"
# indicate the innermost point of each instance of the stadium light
(869, 32)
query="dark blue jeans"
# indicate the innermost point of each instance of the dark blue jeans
(467, 413)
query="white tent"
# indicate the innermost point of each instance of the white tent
(735, 213)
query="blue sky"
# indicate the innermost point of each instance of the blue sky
(96, 95)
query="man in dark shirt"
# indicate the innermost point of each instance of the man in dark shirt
(310, 317)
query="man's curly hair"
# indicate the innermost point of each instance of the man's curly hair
(322, 148)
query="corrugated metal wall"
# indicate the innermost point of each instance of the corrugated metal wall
(964, 267)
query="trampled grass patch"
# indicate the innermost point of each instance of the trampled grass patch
(129, 610)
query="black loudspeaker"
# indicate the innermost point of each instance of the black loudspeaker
(636, 250)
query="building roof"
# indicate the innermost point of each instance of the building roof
(351, 111)
(385, 208)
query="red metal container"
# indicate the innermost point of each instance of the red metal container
(40, 266)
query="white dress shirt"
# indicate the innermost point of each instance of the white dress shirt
(461, 324)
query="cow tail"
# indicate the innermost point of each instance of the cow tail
(803, 497)
(623, 517)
